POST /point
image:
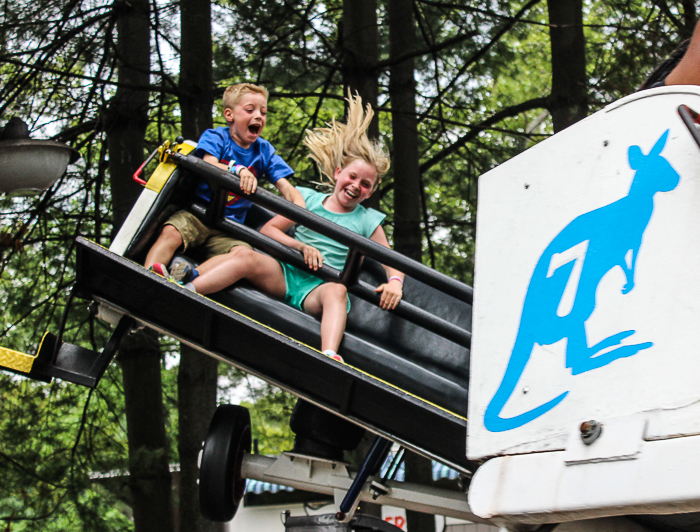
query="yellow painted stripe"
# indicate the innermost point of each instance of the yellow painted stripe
(15, 360)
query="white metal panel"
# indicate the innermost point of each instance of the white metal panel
(541, 488)
(133, 221)
(559, 220)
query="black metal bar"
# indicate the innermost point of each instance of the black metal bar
(110, 349)
(351, 272)
(691, 120)
(369, 466)
(362, 290)
(317, 223)
(217, 205)
(77, 364)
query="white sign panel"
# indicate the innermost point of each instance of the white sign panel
(587, 282)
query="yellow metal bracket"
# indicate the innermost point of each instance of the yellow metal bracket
(165, 169)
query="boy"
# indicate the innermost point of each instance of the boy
(237, 148)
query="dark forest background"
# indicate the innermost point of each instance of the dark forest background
(458, 87)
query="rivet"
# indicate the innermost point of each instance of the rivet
(590, 431)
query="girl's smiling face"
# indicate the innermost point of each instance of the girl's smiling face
(353, 184)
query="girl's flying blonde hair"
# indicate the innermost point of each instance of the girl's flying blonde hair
(338, 144)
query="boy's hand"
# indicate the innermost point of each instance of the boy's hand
(312, 257)
(248, 181)
(392, 292)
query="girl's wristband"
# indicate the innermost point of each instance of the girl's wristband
(397, 278)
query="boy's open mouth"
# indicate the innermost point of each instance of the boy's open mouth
(254, 129)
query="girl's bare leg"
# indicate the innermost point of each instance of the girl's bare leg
(330, 302)
(263, 271)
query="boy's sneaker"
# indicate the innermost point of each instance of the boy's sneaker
(183, 272)
(160, 269)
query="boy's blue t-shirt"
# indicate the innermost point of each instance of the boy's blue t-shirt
(362, 221)
(260, 158)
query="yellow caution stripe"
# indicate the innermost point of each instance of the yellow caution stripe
(15, 360)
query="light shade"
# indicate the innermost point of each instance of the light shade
(28, 166)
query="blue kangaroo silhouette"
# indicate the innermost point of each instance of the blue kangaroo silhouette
(610, 234)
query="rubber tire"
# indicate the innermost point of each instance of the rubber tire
(221, 486)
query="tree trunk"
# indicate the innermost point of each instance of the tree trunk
(196, 82)
(402, 91)
(569, 100)
(407, 193)
(360, 53)
(149, 474)
(197, 374)
(139, 356)
(127, 116)
(689, 19)
(419, 470)
(196, 392)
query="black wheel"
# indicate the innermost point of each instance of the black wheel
(221, 486)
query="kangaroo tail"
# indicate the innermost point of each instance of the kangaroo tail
(516, 365)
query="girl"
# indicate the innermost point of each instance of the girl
(344, 154)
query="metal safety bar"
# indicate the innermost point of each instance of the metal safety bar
(361, 289)
(221, 179)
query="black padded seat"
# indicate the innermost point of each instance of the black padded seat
(386, 347)
(377, 342)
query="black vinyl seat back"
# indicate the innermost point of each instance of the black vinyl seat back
(388, 331)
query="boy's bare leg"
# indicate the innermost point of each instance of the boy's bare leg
(330, 302)
(214, 261)
(261, 270)
(165, 247)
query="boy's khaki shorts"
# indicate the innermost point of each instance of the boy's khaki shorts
(194, 234)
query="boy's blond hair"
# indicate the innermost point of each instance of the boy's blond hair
(338, 144)
(234, 93)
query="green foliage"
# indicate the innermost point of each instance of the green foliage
(58, 72)
(54, 438)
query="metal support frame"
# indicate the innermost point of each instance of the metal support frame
(124, 287)
(334, 478)
(376, 455)
(72, 363)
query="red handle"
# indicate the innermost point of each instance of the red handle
(145, 163)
